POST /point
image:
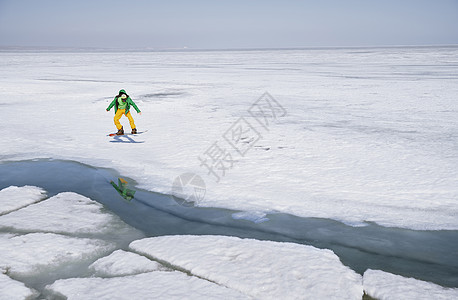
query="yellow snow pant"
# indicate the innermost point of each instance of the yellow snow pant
(118, 116)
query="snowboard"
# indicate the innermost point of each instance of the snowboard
(127, 133)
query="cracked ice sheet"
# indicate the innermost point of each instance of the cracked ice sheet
(122, 263)
(13, 197)
(261, 269)
(67, 213)
(11, 289)
(36, 253)
(153, 285)
(387, 286)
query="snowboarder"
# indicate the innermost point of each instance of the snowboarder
(122, 103)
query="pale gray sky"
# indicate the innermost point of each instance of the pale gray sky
(227, 24)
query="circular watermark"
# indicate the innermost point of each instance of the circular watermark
(188, 189)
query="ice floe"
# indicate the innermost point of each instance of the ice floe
(386, 286)
(36, 253)
(13, 197)
(67, 213)
(260, 269)
(253, 216)
(64, 247)
(11, 289)
(153, 285)
(122, 263)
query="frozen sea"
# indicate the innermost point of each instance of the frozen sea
(368, 135)
(361, 136)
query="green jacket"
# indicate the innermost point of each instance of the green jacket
(128, 101)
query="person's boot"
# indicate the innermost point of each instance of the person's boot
(134, 131)
(120, 131)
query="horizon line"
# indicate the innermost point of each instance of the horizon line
(189, 49)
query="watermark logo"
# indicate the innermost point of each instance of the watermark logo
(188, 189)
(241, 136)
(220, 157)
(266, 110)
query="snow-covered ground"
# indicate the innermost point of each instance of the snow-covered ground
(60, 261)
(368, 135)
(356, 135)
